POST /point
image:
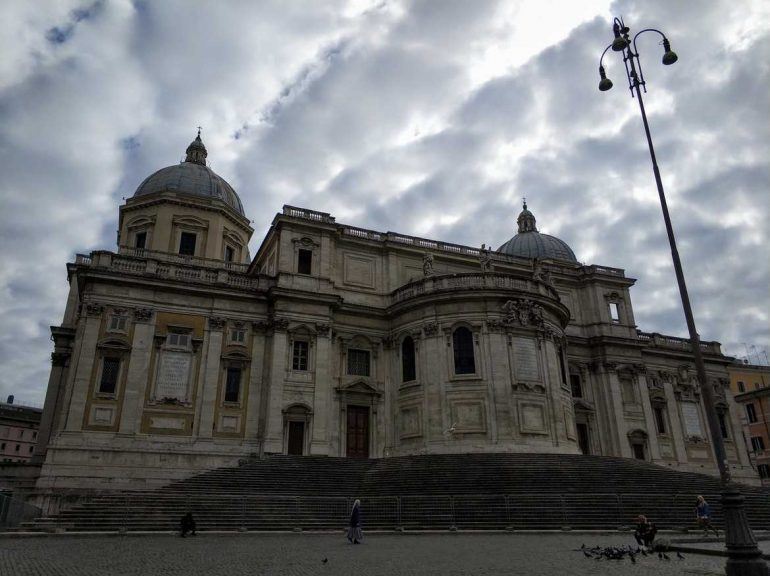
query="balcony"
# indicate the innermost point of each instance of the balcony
(656, 340)
(163, 265)
(469, 281)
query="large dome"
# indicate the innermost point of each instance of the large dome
(529, 243)
(192, 177)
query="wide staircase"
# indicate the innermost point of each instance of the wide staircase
(466, 491)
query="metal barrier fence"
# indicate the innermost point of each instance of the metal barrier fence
(508, 511)
(14, 511)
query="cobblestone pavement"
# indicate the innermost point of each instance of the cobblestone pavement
(295, 554)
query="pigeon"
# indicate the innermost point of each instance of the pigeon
(666, 556)
(678, 555)
(325, 560)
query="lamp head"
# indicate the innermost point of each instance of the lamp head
(619, 43)
(669, 57)
(605, 83)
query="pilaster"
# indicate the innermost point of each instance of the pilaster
(210, 378)
(85, 367)
(138, 372)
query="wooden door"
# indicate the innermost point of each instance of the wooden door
(582, 432)
(296, 437)
(358, 432)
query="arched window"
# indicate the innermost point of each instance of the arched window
(408, 368)
(462, 339)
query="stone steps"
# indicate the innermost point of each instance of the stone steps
(471, 491)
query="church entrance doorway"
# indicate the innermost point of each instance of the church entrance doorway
(582, 433)
(358, 432)
(296, 437)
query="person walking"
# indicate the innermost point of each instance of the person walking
(354, 530)
(645, 531)
(703, 515)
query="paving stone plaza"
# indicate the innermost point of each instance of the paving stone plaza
(299, 554)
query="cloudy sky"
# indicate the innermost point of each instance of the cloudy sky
(426, 118)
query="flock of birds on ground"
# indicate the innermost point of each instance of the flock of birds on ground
(622, 552)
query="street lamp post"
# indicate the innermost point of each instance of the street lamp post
(744, 557)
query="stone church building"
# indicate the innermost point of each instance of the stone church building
(179, 352)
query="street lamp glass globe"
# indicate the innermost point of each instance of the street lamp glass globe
(619, 44)
(670, 56)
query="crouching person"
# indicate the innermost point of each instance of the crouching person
(645, 531)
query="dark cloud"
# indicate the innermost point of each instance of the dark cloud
(431, 119)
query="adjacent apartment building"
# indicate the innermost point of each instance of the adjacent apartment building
(751, 386)
(18, 431)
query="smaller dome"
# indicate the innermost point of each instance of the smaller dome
(529, 243)
(192, 177)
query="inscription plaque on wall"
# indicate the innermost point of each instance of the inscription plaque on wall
(525, 356)
(173, 375)
(691, 419)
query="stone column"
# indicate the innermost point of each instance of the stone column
(319, 442)
(59, 368)
(499, 379)
(677, 431)
(210, 378)
(85, 365)
(736, 430)
(256, 374)
(273, 442)
(138, 371)
(649, 418)
(616, 406)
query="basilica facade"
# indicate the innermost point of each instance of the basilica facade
(179, 352)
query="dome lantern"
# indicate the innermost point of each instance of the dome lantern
(196, 151)
(529, 243)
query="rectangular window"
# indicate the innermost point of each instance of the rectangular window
(118, 323)
(140, 240)
(229, 254)
(238, 336)
(722, 424)
(304, 261)
(741, 386)
(660, 419)
(31, 448)
(187, 244)
(757, 443)
(562, 370)
(751, 413)
(17, 447)
(358, 362)
(764, 471)
(109, 381)
(233, 384)
(2, 446)
(34, 435)
(576, 385)
(178, 340)
(614, 312)
(299, 355)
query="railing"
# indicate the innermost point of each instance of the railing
(493, 511)
(180, 259)
(308, 214)
(175, 267)
(674, 342)
(476, 280)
